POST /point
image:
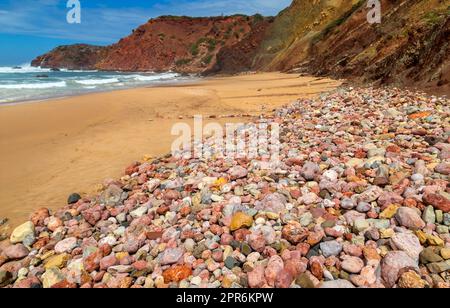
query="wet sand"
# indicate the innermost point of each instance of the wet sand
(53, 148)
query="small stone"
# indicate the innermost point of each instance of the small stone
(354, 162)
(39, 216)
(337, 284)
(240, 220)
(112, 196)
(446, 219)
(428, 255)
(284, 279)
(22, 232)
(231, 262)
(54, 223)
(294, 232)
(108, 261)
(429, 215)
(66, 245)
(360, 225)
(363, 207)
(442, 229)
(256, 278)
(260, 221)
(171, 256)
(386, 233)
(439, 216)
(409, 218)
(347, 204)
(310, 170)
(445, 253)
(196, 281)
(189, 245)
(238, 172)
(443, 168)
(434, 240)
(408, 243)
(352, 265)
(51, 277)
(411, 280)
(274, 267)
(306, 219)
(245, 249)
(5, 277)
(392, 265)
(139, 212)
(58, 261)
(440, 201)
(15, 252)
(73, 198)
(330, 248)
(439, 267)
(389, 212)
(380, 223)
(370, 195)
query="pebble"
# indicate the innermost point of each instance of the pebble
(445, 253)
(363, 207)
(429, 215)
(392, 265)
(171, 255)
(411, 280)
(231, 262)
(66, 245)
(73, 198)
(39, 216)
(22, 232)
(57, 261)
(359, 199)
(428, 255)
(240, 220)
(330, 248)
(51, 277)
(352, 265)
(409, 218)
(408, 243)
(15, 252)
(337, 284)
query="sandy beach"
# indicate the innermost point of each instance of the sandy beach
(54, 148)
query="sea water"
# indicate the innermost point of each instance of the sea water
(25, 83)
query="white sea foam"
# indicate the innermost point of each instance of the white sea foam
(47, 85)
(23, 69)
(155, 77)
(97, 81)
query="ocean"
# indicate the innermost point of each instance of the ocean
(26, 83)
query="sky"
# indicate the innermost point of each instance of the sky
(29, 28)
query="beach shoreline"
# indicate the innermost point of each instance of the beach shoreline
(52, 148)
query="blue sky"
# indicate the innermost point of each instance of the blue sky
(31, 27)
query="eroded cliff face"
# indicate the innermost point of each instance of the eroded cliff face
(410, 47)
(181, 44)
(288, 39)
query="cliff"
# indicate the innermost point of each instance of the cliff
(181, 44)
(410, 47)
(73, 57)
